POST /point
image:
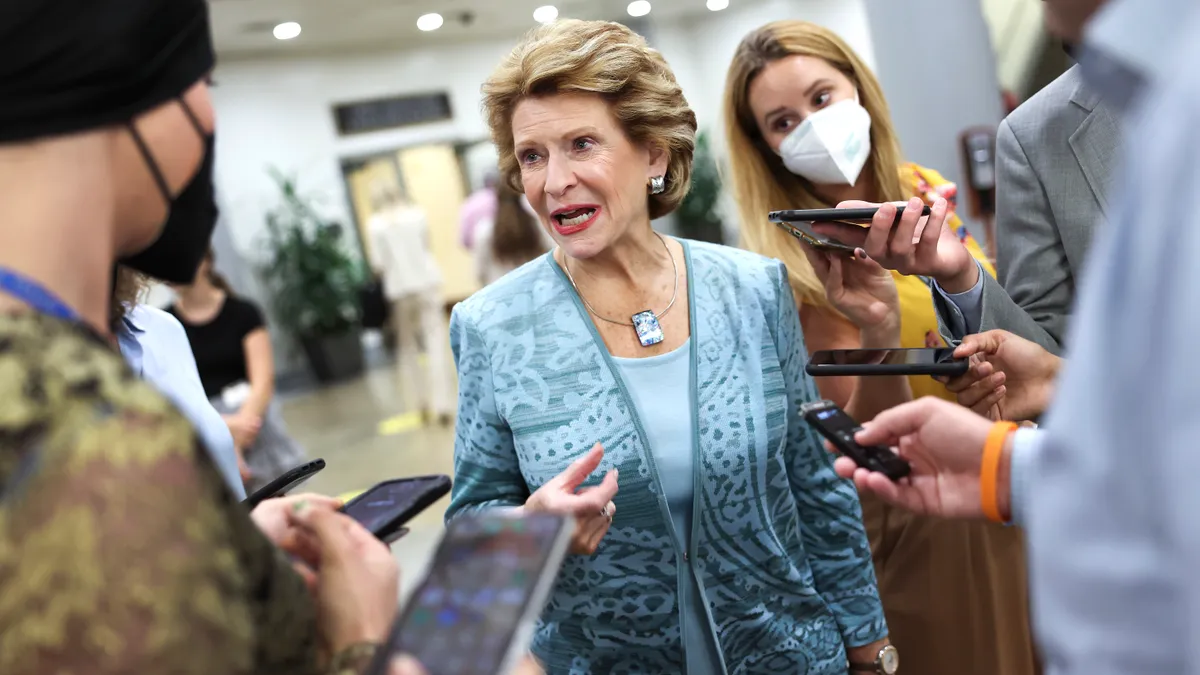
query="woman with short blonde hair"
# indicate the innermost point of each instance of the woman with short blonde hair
(671, 370)
(808, 127)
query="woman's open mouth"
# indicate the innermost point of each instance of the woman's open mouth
(574, 219)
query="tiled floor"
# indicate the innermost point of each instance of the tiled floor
(342, 425)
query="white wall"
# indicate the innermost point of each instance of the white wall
(278, 112)
(938, 72)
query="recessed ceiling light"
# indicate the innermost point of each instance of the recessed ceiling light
(430, 22)
(286, 31)
(638, 8)
(717, 5)
(545, 14)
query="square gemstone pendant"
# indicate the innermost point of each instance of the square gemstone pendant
(649, 331)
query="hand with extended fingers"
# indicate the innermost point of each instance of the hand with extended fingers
(592, 506)
(912, 244)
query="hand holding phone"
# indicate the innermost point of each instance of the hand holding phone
(839, 429)
(914, 245)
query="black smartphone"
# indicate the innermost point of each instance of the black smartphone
(386, 507)
(284, 483)
(938, 361)
(474, 612)
(839, 429)
(845, 216)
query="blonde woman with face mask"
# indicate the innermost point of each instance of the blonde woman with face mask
(808, 127)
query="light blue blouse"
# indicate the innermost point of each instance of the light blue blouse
(157, 349)
(661, 390)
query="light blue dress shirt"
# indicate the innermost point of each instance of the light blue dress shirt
(661, 391)
(1107, 492)
(157, 349)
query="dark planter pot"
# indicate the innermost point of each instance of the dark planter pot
(335, 358)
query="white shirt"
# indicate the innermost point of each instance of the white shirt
(400, 251)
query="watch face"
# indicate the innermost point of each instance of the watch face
(889, 660)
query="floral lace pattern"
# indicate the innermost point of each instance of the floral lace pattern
(781, 554)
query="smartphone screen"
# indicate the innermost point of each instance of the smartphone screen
(388, 505)
(486, 585)
(839, 428)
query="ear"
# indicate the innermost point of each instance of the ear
(659, 159)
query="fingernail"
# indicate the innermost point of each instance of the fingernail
(616, 474)
(300, 505)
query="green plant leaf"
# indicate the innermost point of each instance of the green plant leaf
(313, 278)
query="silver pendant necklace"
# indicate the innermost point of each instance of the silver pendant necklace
(645, 323)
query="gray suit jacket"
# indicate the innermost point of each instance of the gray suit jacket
(1055, 157)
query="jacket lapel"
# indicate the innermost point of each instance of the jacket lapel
(1096, 144)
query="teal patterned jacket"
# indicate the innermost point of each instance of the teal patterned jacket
(777, 543)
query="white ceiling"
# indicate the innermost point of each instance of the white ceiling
(242, 28)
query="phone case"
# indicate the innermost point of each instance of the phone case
(285, 482)
(814, 241)
(949, 368)
(437, 486)
(847, 216)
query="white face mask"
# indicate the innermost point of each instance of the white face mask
(831, 146)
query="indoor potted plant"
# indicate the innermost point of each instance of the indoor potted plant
(697, 217)
(315, 284)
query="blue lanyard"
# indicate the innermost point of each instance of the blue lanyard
(35, 295)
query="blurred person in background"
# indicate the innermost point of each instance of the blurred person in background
(650, 387)
(808, 127)
(412, 282)
(1107, 489)
(121, 548)
(514, 238)
(479, 206)
(233, 355)
(156, 348)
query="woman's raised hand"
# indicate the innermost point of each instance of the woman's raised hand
(592, 507)
(863, 291)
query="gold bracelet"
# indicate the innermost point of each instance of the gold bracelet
(353, 660)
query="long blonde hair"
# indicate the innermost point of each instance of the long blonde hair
(760, 181)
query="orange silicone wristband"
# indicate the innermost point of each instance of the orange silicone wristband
(989, 472)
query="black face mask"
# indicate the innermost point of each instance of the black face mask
(192, 215)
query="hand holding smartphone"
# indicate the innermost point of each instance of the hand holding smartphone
(798, 223)
(839, 429)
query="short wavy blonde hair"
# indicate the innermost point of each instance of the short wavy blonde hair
(611, 61)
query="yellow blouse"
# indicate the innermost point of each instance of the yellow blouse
(918, 320)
